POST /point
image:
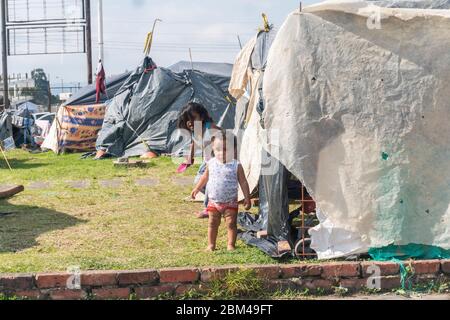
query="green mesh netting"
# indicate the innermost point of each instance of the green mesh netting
(411, 251)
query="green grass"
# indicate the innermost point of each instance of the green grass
(130, 227)
(241, 284)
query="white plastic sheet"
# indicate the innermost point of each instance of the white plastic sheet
(363, 115)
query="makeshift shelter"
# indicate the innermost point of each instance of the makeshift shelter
(6, 130)
(17, 128)
(23, 127)
(359, 105)
(142, 116)
(75, 128)
(80, 119)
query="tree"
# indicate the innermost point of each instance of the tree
(40, 92)
(41, 85)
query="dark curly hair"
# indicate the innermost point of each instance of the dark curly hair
(188, 113)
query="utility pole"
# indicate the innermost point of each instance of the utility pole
(4, 57)
(89, 40)
(49, 93)
(100, 31)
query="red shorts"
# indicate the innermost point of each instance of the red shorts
(222, 207)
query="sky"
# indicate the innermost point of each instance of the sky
(208, 27)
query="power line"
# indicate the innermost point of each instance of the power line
(201, 23)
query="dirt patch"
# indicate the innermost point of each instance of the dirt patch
(147, 182)
(39, 185)
(83, 184)
(183, 181)
(115, 183)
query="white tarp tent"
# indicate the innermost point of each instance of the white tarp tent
(361, 102)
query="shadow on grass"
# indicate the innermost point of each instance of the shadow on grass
(20, 164)
(20, 226)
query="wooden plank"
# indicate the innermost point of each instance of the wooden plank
(7, 192)
(132, 163)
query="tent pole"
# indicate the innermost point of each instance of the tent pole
(192, 61)
(239, 40)
(149, 39)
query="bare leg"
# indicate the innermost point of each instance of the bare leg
(231, 220)
(213, 229)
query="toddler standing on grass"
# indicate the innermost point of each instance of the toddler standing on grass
(222, 178)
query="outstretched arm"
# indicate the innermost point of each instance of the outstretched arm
(201, 184)
(245, 188)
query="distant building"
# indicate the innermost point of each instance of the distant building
(17, 83)
(64, 96)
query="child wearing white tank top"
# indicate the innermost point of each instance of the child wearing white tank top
(222, 178)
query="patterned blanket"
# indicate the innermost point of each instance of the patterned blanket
(79, 126)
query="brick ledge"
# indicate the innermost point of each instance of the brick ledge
(151, 283)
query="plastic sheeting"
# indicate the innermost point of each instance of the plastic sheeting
(23, 127)
(5, 126)
(87, 95)
(28, 105)
(414, 4)
(362, 115)
(220, 69)
(144, 113)
(246, 87)
(273, 214)
(415, 251)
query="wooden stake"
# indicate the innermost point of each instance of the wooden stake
(6, 159)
